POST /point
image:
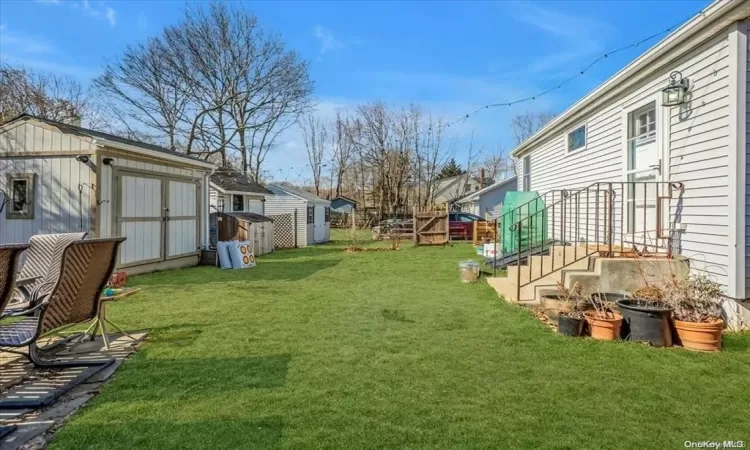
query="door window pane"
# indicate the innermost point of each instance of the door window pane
(238, 203)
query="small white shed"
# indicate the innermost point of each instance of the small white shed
(58, 178)
(312, 214)
(234, 191)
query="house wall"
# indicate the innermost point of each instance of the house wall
(698, 152)
(283, 203)
(253, 203)
(455, 190)
(58, 205)
(491, 203)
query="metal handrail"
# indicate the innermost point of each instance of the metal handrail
(604, 211)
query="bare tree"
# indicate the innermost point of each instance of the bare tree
(316, 138)
(343, 148)
(213, 83)
(497, 165)
(49, 96)
(525, 125)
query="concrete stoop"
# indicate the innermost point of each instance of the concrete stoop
(569, 265)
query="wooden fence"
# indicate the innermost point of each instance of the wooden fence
(431, 227)
(485, 230)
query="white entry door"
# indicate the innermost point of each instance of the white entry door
(140, 219)
(643, 171)
(320, 223)
(182, 218)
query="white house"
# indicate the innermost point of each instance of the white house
(488, 202)
(624, 133)
(449, 189)
(311, 214)
(236, 192)
(58, 178)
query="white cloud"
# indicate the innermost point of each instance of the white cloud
(327, 41)
(110, 14)
(576, 37)
(16, 42)
(97, 11)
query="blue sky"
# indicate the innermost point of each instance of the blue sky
(451, 57)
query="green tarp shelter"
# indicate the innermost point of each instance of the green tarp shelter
(516, 207)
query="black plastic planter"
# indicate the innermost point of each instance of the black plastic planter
(647, 321)
(570, 326)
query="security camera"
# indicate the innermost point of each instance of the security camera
(82, 159)
(108, 161)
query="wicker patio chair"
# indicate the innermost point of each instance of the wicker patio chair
(43, 262)
(84, 271)
(9, 255)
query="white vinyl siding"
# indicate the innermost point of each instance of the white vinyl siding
(283, 203)
(28, 137)
(698, 155)
(58, 205)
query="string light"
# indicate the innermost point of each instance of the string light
(532, 98)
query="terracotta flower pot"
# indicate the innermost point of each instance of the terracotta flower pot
(604, 328)
(705, 337)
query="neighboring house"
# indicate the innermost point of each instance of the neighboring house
(343, 204)
(449, 189)
(488, 202)
(236, 192)
(312, 214)
(61, 178)
(623, 133)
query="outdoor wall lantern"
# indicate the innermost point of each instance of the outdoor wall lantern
(674, 93)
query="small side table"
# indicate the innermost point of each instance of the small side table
(101, 320)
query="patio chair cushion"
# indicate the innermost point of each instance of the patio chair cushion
(18, 333)
(43, 260)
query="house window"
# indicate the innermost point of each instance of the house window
(527, 172)
(238, 202)
(20, 201)
(328, 214)
(310, 215)
(576, 139)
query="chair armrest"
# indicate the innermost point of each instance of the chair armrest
(26, 311)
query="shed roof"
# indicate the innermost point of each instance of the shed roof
(230, 180)
(111, 139)
(301, 194)
(247, 216)
(475, 195)
(344, 199)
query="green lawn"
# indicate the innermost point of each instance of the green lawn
(315, 348)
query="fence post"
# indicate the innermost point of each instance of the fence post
(295, 228)
(414, 226)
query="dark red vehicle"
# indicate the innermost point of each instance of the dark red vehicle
(462, 225)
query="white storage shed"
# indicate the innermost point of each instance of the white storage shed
(312, 214)
(57, 177)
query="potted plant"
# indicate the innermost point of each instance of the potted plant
(603, 322)
(646, 317)
(697, 312)
(570, 319)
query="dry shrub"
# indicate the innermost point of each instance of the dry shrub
(574, 299)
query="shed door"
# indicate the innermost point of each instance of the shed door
(182, 218)
(140, 219)
(320, 223)
(158, 216)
